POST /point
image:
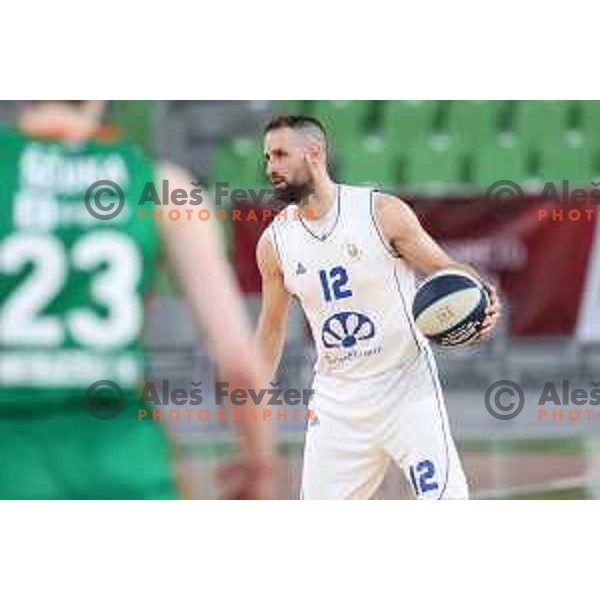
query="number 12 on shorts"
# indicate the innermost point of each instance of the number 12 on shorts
(422, 477)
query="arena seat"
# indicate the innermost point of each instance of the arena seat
(423, 142)
(540, 123)
(563, 161)
(433, 165)
(496, 161)
(407, 123)
(588, 113)
(370, 163)
(473, 123)
(344, 120)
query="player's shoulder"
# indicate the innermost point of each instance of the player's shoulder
(391, 214)
(357, 191)
(394, 218)
(386, 202)
(371, 199)
(284, 220)
(267, 237)
(267, 251)
(371, 195)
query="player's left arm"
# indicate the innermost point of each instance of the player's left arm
(405, 234)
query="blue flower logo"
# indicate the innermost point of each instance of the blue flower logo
(346, 329)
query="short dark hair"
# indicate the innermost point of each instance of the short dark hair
(309, 125)
(293, 122)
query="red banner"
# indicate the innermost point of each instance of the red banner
(539, 258)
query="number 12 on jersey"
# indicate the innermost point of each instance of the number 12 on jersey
(334, 283)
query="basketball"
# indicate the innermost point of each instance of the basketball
(449, 307)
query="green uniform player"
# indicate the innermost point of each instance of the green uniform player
(76, 262)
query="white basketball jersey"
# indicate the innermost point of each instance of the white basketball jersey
(356, 293)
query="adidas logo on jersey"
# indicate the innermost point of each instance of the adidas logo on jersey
(300, 269)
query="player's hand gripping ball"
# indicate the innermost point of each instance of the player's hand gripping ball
(450, 307)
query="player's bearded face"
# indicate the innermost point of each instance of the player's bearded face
(293, 188)
(288, 172)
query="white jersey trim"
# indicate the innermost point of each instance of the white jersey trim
(373, 209)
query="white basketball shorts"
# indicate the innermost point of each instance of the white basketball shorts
(359, 427)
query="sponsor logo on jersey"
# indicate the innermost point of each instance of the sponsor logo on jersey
(346, 329)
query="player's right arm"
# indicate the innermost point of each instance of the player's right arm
(272, 322)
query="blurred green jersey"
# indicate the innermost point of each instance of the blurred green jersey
(75, 264)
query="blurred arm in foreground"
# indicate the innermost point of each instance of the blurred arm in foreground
(205, 278)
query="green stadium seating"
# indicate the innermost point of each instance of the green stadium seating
(541, 123)
(406, 123)
(494, 162)
(473, 123)
(574, 163)
(240, 163)
(434, 165)
(370, 163)
(589, 120)
(429, 143)
(345, 121)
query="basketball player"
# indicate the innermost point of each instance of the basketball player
(71, 312)
(351, 266)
